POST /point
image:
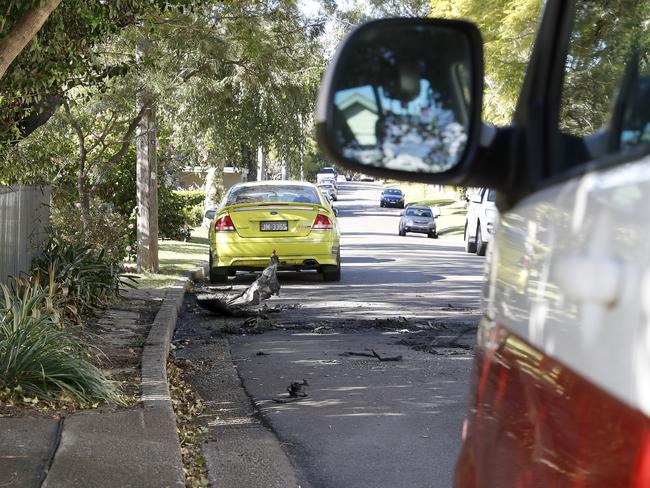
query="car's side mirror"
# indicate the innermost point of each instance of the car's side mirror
(435, 211)
(336, 211)
(402, 99)
(210, 214)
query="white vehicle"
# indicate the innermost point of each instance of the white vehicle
(560, 389)
(327, 173)
(480, 220)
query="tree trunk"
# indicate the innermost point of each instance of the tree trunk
(284, 172)
(213, 188)
(84, 202)
(147, 188)
(82, 188)
(25, 29)
(261, 164)
(146, 175)
(250, 163)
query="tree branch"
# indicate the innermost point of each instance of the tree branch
(128, 135)
(104, 134)
(23, 32)
(80, 137)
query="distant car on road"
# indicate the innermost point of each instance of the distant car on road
(391, 197)
(326, 173)
(367, 178)
(479, 221)
(330, 189)
(328, 181)
(340, 178)
(418, 219)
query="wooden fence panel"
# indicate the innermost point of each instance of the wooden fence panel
(24, 220)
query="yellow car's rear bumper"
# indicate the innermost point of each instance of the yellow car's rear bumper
(316, 249)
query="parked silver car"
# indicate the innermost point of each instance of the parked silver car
(418, 219)
(330, 189)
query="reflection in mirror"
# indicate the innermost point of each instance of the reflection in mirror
(210, 214)
(402, 100)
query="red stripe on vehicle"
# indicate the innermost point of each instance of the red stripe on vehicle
(536, 423)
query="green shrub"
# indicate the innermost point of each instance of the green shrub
(171, 221)
(191, 198)
(193, 215)
(37, 358)
(108, 229)
(92, 278)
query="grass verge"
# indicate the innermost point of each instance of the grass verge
(176, 258)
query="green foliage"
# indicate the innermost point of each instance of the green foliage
(600, 47)
(190, 198)
(171, 221)
(253, 70)
(39, 359)
(193, 215)
(93, 278)
(508, 28)
(108, 230)
(604, 35)
(64, 53)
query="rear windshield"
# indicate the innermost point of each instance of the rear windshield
(328, 170)
(272, 194)
(393, 191)
(418, 212)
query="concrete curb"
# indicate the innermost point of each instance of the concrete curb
(156, 399)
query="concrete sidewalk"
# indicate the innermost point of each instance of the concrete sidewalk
(108, 447)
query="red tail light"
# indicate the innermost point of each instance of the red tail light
(322, 222)
(224, 224)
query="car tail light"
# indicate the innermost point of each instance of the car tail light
(224, 224)
(322, 222)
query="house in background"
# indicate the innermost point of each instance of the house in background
(360, 113)
(194, 177)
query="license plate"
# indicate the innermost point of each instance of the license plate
(274, 226)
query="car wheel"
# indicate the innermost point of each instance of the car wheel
(481, 246)
(219, 274)
(470, 247)
(401, 232)
(332, 272)
(432, 235)
(232, 272)
(381, 204)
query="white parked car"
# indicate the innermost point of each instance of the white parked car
(480, 219)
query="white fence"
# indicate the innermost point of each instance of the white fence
(24, 219)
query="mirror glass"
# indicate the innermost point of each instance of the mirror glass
(210, 214)
(402, 97)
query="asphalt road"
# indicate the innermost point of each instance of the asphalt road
(365, 422)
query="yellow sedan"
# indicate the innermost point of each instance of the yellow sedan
(291, 218)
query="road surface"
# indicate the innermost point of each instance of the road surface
(365, 422)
